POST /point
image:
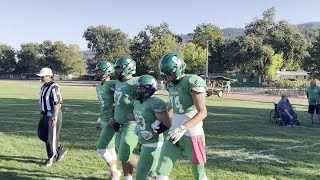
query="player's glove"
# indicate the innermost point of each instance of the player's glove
(175, 134)
(146, 135)
(158, 127)
(136, 129)
(117, 126)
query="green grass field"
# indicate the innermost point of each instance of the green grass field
(241, 144)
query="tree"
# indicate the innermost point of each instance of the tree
(69, 57)
(140, 51)
(155, 32)
(56, 55)
(255, 56)
(289, 41)
(312, 62)
(208, 34)
(108, 43)
(276, 64)
(7, 59)
(146, 47)
(281, 37)
(30, 58)
(49, 58)
(204, 32)
(262, 27)
(227, 57)
(195, 57)
(165, 44)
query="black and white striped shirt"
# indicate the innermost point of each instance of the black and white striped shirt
(50, 95)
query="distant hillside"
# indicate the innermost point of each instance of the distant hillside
(309, 25)
(310, 30)
(230, 33)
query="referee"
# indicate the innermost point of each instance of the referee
(50, 122)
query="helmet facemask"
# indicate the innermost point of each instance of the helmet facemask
(104, 69)
(119, 72)
(144, 91)
(125, 69)
(145, 87)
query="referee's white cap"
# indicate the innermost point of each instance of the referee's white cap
(45, 72)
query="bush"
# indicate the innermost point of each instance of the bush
(287, 84)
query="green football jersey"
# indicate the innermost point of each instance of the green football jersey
(105, 95)
(314, 95)
(144, 114)
(124, 96)
(180, 94)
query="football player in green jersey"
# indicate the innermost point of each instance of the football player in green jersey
(105, 92)
(186, 135)
(150, 113)
(124, 95)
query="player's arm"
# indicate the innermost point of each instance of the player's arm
(164, 118)
(170, 112)
(163, 121)
(200, 104)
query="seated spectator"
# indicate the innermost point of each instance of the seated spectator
(286, 111)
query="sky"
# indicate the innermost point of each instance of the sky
(24, 21)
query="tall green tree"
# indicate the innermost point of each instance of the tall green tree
(312, 62)
(107, 42)
(194, 56)
(7, 59)
(155, 32)
(30, 58)
(289, 41)
(255, 55)
(145, 47)
(69, 57)
(60, 57)
(205, 32)
(281, 37)
(276, 64)
(211, 36)
(262, 27)
(160, 46)
(140, 51)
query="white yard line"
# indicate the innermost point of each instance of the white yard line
(289, 148)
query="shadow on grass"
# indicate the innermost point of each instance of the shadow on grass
(23, 159)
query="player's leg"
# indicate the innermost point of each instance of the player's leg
(170, 153)
(106, 149)
(128, 141)
(148, 162)
(194, 148)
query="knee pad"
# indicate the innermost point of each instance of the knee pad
(108, 154)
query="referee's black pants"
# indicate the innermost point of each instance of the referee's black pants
(50, 135)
